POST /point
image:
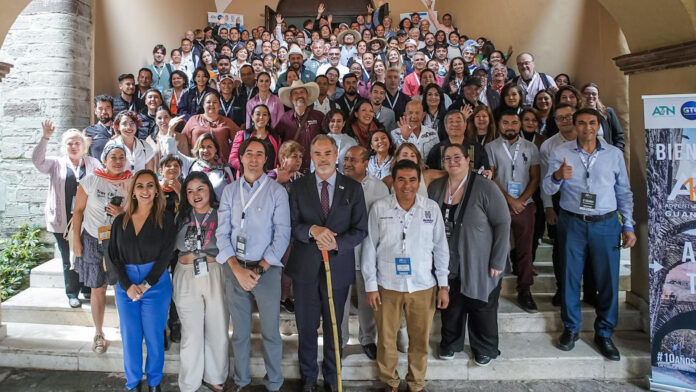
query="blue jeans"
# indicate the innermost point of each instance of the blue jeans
(602, 240)
(146, 318)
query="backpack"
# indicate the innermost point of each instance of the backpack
(544, 80)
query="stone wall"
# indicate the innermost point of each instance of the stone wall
(50, 45)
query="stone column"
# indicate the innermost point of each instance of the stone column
(50, 46)
(3, 328)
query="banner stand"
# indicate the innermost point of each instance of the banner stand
(670, 139)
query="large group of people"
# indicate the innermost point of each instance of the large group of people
(417, 158)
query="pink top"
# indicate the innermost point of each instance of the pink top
(239, 139)
(57, 169)
(275, 107)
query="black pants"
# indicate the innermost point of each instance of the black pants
(589, 286)
(311, 303)
(70, 277)
(539, 223)
(480, 317)
(173, 315)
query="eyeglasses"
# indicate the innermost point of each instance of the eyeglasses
(455, 159)
(568, 117)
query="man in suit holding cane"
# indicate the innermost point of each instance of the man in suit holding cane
(337, 227)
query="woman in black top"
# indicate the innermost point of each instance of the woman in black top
(142, 244)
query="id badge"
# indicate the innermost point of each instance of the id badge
(588, 201)
(449, 229)
(514, 189)
(104, 233)
(241, 245)
(403, 265)
(200, 267)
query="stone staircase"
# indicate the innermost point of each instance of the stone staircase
(44, 332)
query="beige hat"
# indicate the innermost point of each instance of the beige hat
(343, 34)
(294, 49)
(312, 92)
(382, 43)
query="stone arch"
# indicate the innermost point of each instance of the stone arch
(681, 321)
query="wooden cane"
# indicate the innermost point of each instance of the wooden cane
(334, 326)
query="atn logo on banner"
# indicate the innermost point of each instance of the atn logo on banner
(671, 170)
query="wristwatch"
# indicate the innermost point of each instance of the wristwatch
(146, 284)
(260, 270)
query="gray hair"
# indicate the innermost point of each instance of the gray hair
(321, 137)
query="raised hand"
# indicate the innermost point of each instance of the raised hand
(405, 127)
(173, 123)
(279, 18)
(321, 8)
(48, 128)
(467, 111)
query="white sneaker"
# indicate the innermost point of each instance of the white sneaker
(99, 344)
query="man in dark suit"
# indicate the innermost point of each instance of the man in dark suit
(338, 225)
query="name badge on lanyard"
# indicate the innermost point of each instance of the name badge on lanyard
(200, 262)
(514, 188)
(403, 261)
(588, 200)
(449, 225)
(240, 243)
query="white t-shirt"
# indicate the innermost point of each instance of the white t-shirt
(137, 159)
(99, 194)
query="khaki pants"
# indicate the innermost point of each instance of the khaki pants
(204, 326)
(419, 309)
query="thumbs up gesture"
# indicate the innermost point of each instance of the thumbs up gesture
(565, 172)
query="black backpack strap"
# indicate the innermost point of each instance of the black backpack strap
(545, 80)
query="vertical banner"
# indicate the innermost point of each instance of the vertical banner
(670, 133)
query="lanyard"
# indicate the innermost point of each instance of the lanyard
(513, 158)
(227, 109)
(199, 246)
(450, 196)
(378, 113)
(249, 93)
(349, 106)
(396, 99)
(76, 169)
(159, 73)
(176, 98)
(247, 204)
(588, 165)
(405, 223)
(198, 98)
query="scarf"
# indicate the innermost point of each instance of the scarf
(122, 180)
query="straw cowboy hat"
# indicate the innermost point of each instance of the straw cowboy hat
(294, 49)
(342, 35)
(382, 43)
(311, 88)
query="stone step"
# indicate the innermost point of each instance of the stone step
(50, 275)
(50, 306)
(524, 356)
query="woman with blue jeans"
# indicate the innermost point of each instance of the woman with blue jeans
(142, 245)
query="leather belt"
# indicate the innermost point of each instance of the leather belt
(252, 265)
(591, 218)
